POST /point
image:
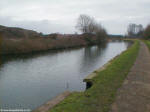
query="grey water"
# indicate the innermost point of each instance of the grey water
(27, 81)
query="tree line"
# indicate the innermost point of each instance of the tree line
(138, 31)
(90, 27)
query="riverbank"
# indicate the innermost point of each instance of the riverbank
(22, 46)
(19, 41)
(101, 95)
(50, 104)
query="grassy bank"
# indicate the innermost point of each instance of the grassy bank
(101, 95)
(147, 42)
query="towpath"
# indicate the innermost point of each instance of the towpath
(134, 95)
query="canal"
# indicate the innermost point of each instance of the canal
(27, 81)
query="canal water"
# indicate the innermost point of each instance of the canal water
(27, 81)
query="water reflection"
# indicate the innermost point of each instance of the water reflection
(91, 57)
(31, 80)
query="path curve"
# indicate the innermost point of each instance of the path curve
(134, 95)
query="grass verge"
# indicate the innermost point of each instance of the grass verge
(102, 94)
(147, 42)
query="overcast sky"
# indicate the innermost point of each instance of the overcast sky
(49, 16)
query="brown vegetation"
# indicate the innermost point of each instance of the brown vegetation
(25, 45)
(17, 40)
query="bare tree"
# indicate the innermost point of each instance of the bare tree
(135, 30)
(85, 23)
(91, 28)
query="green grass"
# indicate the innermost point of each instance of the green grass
(147, 42)
(102, 94)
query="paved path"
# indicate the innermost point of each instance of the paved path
(134, 95)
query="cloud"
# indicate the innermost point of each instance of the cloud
(60, 15)
(44, 26)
